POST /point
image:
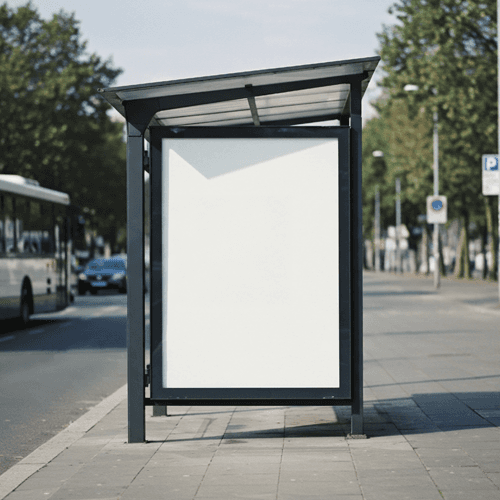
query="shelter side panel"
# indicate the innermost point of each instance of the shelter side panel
(250, 258)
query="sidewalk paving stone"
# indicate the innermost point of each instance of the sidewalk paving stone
(448, 457)
(325, 488)
(432, 405)
(467, 495)
(237, 491)
(402, 493)
(461, 478)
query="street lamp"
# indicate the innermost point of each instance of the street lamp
(377, 154)
(435, 237)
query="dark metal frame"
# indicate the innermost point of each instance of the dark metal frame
(139, 114)
(248, 396)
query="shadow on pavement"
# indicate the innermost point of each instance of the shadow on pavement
(424, 413)
(13, 325)
(65, 334)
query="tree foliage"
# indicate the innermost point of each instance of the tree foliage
(53, 127)
(448, 48)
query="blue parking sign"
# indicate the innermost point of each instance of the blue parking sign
(491, 175)
(490, 163)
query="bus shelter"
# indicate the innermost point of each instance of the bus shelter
(255, 239)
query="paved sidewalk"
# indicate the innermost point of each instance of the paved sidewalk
(432, 415)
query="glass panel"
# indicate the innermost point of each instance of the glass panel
(22, 218)
(35, 220)
(2, 232)
(10, 236)
(47, 228)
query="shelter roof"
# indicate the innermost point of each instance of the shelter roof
(279, 96)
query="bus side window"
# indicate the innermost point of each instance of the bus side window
(10, 237)
(22, 225)
(47, 228)
(2, 232)
(35, 227)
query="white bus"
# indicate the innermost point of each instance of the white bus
(34, 249)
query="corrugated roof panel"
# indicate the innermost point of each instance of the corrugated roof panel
(219, 107)
(290, 93)
(206, 118)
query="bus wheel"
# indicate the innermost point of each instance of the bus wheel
(25, 308)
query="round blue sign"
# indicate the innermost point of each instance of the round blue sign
(437, 205)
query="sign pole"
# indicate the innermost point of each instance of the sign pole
(398, 225)
(436, 193)
(498, 92)
(377, 229)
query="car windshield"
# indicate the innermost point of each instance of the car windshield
(106, 264)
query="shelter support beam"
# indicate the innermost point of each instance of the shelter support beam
(357, 263)
(253, 106)
(135, 285)
(346, 112)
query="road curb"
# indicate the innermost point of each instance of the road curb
(45, 453)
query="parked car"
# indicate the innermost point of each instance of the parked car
(103, 274)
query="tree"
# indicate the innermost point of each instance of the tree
(448, 48)
(406, 156)
(53, 127)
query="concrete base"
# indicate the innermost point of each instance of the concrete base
(356, 436)
(357, 423)
(160, 411)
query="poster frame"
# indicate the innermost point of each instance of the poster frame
(250, 396)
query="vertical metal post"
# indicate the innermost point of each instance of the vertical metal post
(398, 225)
(498, 124)
(377, 229)
(357, 264)
(135, 286)
(435, 236)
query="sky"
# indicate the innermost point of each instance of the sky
(161, 40)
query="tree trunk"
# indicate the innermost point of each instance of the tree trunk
(442, 269)
(493, 233)
(425, 249)
(484, 245)
(458, 252)
(464, 269)
(494, 254)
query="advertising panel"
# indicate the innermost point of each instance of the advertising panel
(252, 252)
(250, 273)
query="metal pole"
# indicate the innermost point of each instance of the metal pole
(498, 91)
(135, 286)
(398, 225)
(435, 242)
(356, 264)
(377, 229)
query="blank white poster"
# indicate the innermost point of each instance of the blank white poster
(250, 263)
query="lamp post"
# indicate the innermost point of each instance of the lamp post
(498, 89)
(398, 225)
(435, 142)
(377, 154)
(377, 229)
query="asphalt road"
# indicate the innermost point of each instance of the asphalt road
(53, 371)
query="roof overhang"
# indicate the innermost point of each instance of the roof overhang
(281, 96)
